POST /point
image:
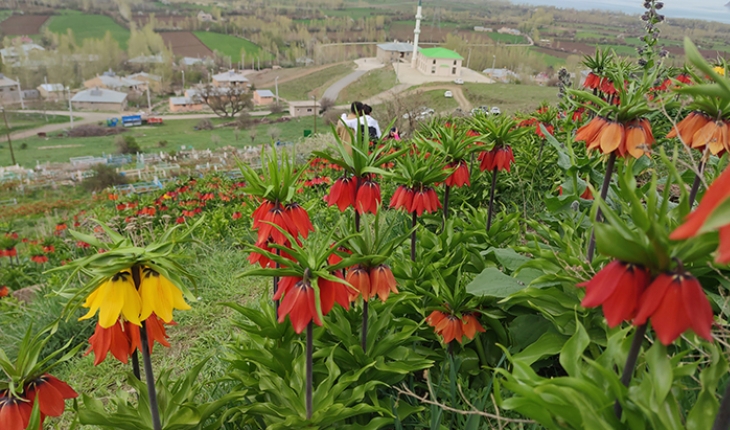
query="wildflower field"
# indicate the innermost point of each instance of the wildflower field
(565, 268)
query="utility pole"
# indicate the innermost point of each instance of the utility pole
(7, 130)
(183, 76)
(70, 108)
(468, 58)
(149, 102)
(20, 93)
(494, 62)
(276, 83)
(259, 61)
(314, 105)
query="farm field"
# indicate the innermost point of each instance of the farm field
(315, 83)
(85, 26)
(22, 25)
(176, 133)
(185, 44)
(232, 46)
(373, 82)
(164, 20)
(510, 98)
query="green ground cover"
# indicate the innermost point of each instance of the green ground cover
(315, 83)
(232, 46)
(23, 121)
(372, 83)
(176, 133)
(354, 13)
(435, 100)
(510, 98)
(507, 39)
(85, 26)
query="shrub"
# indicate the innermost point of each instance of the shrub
(127, 145)
(104, 177)
(204, 124)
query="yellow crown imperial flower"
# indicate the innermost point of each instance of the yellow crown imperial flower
(719, 70)
(116, 296)
(159, 295)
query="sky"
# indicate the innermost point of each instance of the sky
(711, 10)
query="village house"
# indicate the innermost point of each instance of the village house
(229, 79)
(52, 92)
(11, 55)
(482, 29)
(263, 97)
(507, 30)
(110, 80)
(395, 51)
(439, 62)
(303, 108)
(9, 90)
(100, 99)
(150, 80)
(188, 102)
(205, 17)
(501, 75)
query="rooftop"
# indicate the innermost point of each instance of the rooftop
(52, 87)
(230, 76)
(7, 82)
(178, 101)
(304, 103)
(144, 75)
(99, 95)
(265, 93)
(26, 47)
(442, 53)
(118, 82)
(396, 47)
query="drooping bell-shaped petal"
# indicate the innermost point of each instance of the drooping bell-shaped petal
(113, 339)
(14, 412)
(617, 287)
(675, 302)
(382, 282)
(50, 393)
(298, 304)
(159, 296)
(368, 197)
(460, 176)
(359, 278)
(116, 296)
(343, 193)
(300, 218)
(471, 325)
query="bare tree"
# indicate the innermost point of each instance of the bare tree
(252, 135)
(274, 133)
(226, 102)
(325, 104)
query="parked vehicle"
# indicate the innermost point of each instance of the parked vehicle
(495, 111)
(448, 94)
(131, 120)
(459, 81)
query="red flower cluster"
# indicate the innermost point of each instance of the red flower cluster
(370, 282)
(9, 252)
(123, 338)
(299, 300)
(498, 158)
(291, 218)
(50, 393)
(4, 291)
(450, 327)
(361, 193)
(460, 177)
(604, 85)
(420, 200)
(674, 301)
(698, 131)
(40, 259)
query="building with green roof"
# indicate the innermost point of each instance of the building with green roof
(439, 62)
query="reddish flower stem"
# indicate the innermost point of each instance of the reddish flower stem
(135, 365)
(604, 193)
(696, 184)
(722, 420)
(491, 198)
(147, 361)
(310, 335)
(413, 237)
(364, 335)
(446, 203)
(631, 363)
(276, 286)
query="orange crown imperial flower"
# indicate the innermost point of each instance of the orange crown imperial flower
(617, 287)
(633, 137)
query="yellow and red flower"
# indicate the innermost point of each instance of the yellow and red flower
(114, 297)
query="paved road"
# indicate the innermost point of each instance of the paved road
(333, 91)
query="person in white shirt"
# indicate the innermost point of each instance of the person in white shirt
(364, 121)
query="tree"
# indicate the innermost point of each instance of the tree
(127, 145)
(104, 177)
(325, 104)
(226, 102)
(252, 135)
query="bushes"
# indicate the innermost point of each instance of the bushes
(104, 177)
(127, 145)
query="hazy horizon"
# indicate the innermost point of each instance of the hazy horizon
(708, 10)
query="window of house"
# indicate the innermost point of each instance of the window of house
(454, 62)
(453, 71)
(309, 110)
(433, 70)
(434, 62)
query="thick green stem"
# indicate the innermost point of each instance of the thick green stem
(413, 237)
(364, 334)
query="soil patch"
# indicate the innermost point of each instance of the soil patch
(185, 44)
(22, 25)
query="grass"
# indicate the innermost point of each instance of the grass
(372, 83)
(354, 13)
(588, 35)
(176, 132)
(232, 46)
(510, 98)
(85, 26)
(435, 100)
(315, 83)
(24, 121)
(507, 39)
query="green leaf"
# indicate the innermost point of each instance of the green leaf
(547, 345)
(508, 258)
(493, 283)
(660, 371)
(570, 356)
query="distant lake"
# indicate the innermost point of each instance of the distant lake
(710, 10)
